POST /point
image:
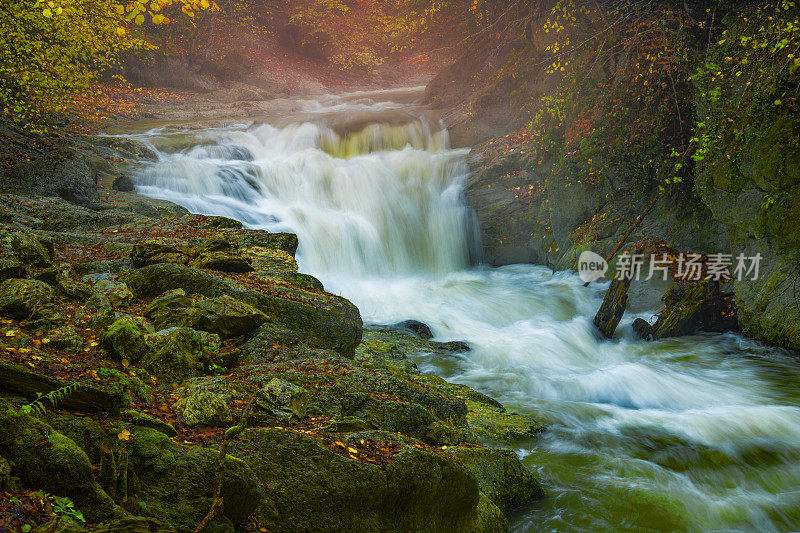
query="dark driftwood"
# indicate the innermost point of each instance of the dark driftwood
(613, 307)
(86, 397)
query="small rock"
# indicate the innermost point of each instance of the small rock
(118, 294)
(65, 338)
(204, 408)
(285, 397)
(125, 340)
(123, 183)
(420, 329)
(19, 298)
(174, 357)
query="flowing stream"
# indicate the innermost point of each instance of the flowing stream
(694, 433)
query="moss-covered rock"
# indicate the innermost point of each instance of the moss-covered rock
(314, 488)
(500, 474)
(63, 172)
(223, 262)
(125, 340)
(204, 408)
(65, 338)
(45, 459)
(11, 268)
(19, 298)
(154, 251)
(322, 320)
(182, 494)
(118, 294)
(228, 317)
(25, 247)
(285, 399)
(175, 356)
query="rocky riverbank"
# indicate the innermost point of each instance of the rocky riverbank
(134, 335)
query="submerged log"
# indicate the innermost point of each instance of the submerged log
(84, 398)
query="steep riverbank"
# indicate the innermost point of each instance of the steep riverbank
(580, 121)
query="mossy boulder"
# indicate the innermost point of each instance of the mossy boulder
(285, 399)
(175, 356)
(228, 317)
(118, 294)
(64, 172)
(25, 247)
(47, 460)
(323, 320)
(182, 494)
(154, 251)
(223, 262)
(138, 418)
(204, 408)
(315, 489)
(173, 309)
(500, 474)
(125, 340)
(19, 298)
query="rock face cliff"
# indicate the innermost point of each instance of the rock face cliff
(586, 114)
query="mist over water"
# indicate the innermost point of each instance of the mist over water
(694, 433)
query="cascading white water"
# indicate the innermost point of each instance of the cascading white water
(694, 433)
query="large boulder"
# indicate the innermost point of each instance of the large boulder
(315, 489)
(323, 320)
(181, 495)
(64, 172)
(19, 298)
(47, 460)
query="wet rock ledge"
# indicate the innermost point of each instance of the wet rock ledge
(146, 332)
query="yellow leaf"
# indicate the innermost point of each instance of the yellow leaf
(124, 435)
(204, 4)
(47, 13)
(352, 450)
(11, 333)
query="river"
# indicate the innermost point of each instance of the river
(694, 433)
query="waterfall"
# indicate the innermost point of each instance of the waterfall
(385, 199)
(692, 433)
